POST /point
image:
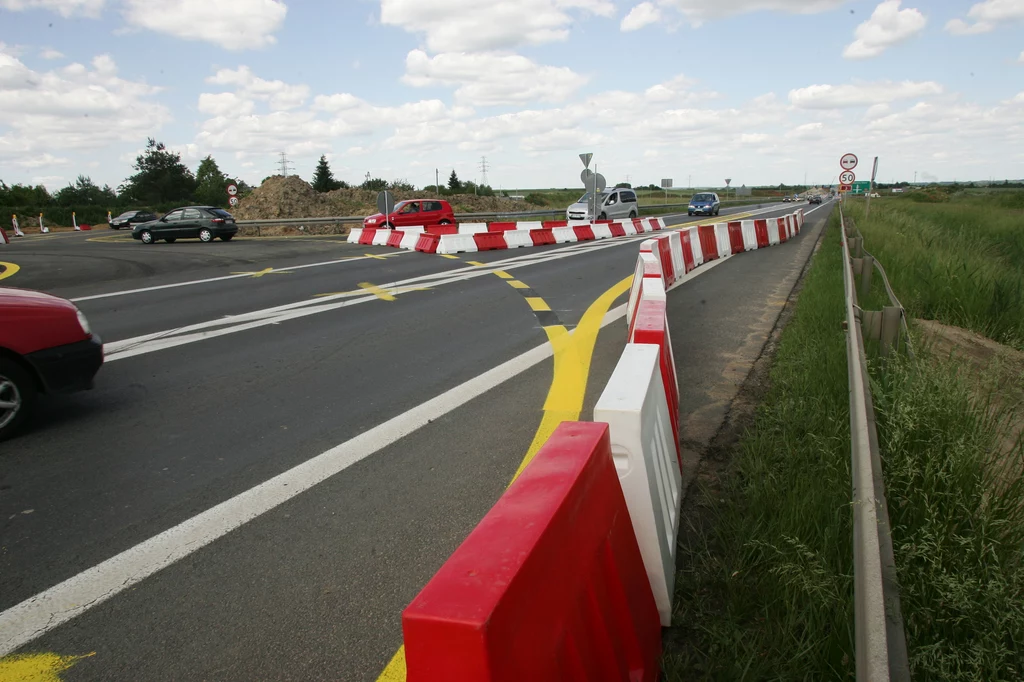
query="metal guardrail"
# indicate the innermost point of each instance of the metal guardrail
(559, 213)
(879, 638)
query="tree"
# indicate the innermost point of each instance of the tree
(24, 195)
(323, 178)
(84, 192)
(211, 183)
(376, 184)
(160, 176)
(454, 186)
(624, 185)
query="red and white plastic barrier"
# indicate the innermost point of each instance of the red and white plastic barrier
(4, 239)
(14, 224)
(550, 586)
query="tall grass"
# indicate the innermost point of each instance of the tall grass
(960, 261)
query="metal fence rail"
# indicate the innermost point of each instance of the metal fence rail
(880, 640)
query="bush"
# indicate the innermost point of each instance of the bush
(536, 199)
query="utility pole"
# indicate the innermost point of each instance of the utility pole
(437, 185)
(285, 166)
(483, 170)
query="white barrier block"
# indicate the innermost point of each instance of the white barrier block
(722, 240)
(380, 237)
(456, 243)
(354, 234)
(675, 245)
(416, 228)
(409, 240)
(629, 227)
(530, 225)
(472, 228)
(564, 235)
(517, 238)
(645, 287)
(773, 231)
(635, 408)
(601, 231)
(698, 252)
(749, 235)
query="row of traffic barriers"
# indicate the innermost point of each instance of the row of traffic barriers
(570, 576)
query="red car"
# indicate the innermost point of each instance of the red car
(45, 346)
(412, 213)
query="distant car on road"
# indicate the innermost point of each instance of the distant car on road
(46, 346)
(815, 199)
(130, 218)
(704, 202)
(189, 222)
(413, 213)
(612, 204)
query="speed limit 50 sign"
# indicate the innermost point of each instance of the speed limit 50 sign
(847, 177)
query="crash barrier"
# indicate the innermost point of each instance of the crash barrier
(3, 237)
(550, 586)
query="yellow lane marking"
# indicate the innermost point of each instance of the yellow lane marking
(448, 255)
(8, 269)
(37, 667)
(266, 271)
(516, 284)
(503, 274)
(381, 256)
(376, 291)
(537, 303)
(564, 402)
(476, 263)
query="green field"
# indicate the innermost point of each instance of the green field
(764, 588)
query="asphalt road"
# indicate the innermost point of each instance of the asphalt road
(213, 388)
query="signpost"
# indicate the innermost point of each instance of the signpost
(666, 184)
(871, 189)
(845, 188)
(385, 204)
(848, 161)
(232, 195)
(847, 178)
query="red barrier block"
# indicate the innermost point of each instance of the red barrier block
(761, 232)
(736, 236)
(427, 243)
(395, 238)
(542, 237)
(684, 236)
(638, 226)
(367, 236)
(656, 224)
(549, 587)
(708, 242)
(603, 221)
(665, 253)
(500, 227)
(783, 230)
(616, 229)
(548, 224)
(443, 229)
(83, 226)
(651, 326)
(489, 241)
(584, 233)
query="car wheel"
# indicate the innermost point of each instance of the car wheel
(444, 222)
(717, 211)
(17, 397)
(171, 240)
(146, 236)
(602, 217)
(205, 235)
(114, 227)
(632, 214)
(689, 213)
(226, 237)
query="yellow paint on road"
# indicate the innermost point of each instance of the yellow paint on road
(503, 274)
(516, 284)
(36, 667)
(265, 271)
(448, 255)
(573, 353)
(537, 303)
(381, 256)
(8, 269)
(376, 291)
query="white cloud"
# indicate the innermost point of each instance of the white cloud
(230, 24)
(65, 8)
(807, 131)
(1020, 59)
(452, 26)
(487, 79)
(642, 15)
(49, 53)
(45, 115)
(860, 94)
(703, 10)
(888, 26)
(278, 94)
(986, 16)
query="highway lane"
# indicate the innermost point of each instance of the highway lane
(171, 433)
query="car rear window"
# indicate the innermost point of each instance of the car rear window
(431, 205)
(219, 213)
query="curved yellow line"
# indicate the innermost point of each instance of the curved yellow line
(8, 269)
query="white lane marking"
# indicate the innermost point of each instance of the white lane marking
(189, 283)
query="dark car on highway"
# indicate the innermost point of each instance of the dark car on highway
(131, 218)
(706, 203)
(814, 199)
(205, 223)
(46, 346)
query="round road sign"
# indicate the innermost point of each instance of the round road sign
(232, 190)
(847, 177)
(848, 162)
(386, 202)
(233, 201)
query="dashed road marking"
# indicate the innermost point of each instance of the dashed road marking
(265, 271)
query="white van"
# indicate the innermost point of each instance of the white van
(614, 204)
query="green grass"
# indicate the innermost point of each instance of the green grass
(765, 588)
(959, 260)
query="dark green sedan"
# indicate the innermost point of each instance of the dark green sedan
(205, 223)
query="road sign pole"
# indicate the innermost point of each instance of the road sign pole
(871, 190)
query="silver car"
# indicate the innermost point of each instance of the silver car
(613, 204)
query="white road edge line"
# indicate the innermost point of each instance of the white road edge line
(55, 606)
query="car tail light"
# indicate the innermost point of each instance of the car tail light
(218, 220)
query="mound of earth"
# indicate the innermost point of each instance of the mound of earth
(293, 197)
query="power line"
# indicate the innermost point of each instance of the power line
(285, 166)
(483, 170)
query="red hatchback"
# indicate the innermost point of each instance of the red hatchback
(413, 213)
(45, 346)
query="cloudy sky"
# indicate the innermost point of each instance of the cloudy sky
(760, 91)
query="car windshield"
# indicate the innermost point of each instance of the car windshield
(219, 212)
(126, 215)
(703, 197)
(399, 206)
(586, 197)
